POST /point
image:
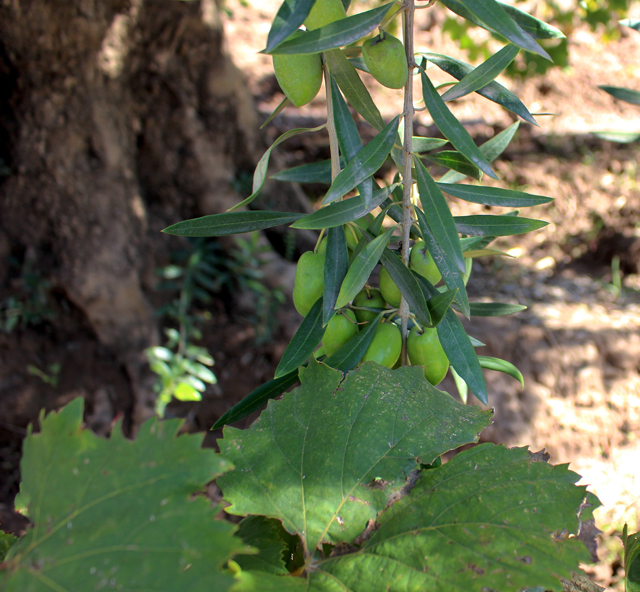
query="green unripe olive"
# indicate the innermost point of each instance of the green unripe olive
(372, 299)
(322, 247)
(309, 283)
(384, 56)
(422, 262)
(388, 288)
(324, 12)
(386, 345)
(353, 234)
(425, 350)
(340, 329)
(299, 75)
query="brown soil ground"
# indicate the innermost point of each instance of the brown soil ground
(578, 343)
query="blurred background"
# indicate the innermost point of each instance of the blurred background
(121, 117)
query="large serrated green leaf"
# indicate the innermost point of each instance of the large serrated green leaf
(438, 215)
(290, 16)
(493, 196)
(483, 74)
(231, 223)
(118, 514)
(336, 34)
(485, 520)
(328, 457)
(265, 535)
(259, 581)
(366, 162)
(6, 542)
(353, 88)
(451, 128)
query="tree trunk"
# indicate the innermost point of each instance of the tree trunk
(118, 118)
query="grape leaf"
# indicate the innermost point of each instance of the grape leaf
(485, 520)
(631, 544)
(263, 534)
(328, 457)
(118, 514)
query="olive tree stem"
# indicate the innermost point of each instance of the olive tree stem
(407, 155)
(331, 127)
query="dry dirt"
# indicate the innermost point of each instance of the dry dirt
(578, 343)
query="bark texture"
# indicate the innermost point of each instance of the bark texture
(118, 118)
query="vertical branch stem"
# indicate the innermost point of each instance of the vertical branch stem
(331, 127)
(407, 154)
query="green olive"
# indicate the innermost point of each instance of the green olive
(308, 285)
(389, 289)
(299, 75)
(325, 12)
(422, 262)
(425, 350)
(386, 345)
(352, 232)
(384, 56)
(369, 298)
(340, 329)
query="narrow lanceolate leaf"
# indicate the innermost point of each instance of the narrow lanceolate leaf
(438, 214)
(623, 94)
(341, 212)
(440, 304)
(257, 399)
(314, 172)
(483, 74)
(453, 278)
(336, 34)
(368, 160)
(494, 91)
(339, 448)
(630, 22)
(491, 149)
(535, 27)
(631, 544)
(461, 385)
(361, 268)
(289, 17)
(117, 513)
(494, 309)
(493, 196)
(335, 269)
(281, 107)
(458, 347)
(492, 13)
(422, 144)
(487, 225)
(350, 354)
(456, 162)
(231, 223)
(485, 520)
(306, 339)
(501, 366)
(620, 137)
(451, 128)
(353, 88)
(260, 581)
(260, 174)
(348, 137)
(408, 285)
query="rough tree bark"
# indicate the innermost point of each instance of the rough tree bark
(118, 117)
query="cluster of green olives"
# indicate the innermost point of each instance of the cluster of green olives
(300, 75)
(423, 345)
